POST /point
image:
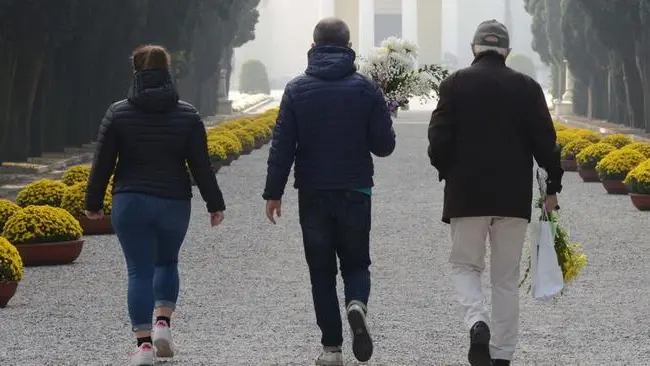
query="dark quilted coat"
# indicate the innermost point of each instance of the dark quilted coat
(154, 134)
(331, 119)
(490, 123)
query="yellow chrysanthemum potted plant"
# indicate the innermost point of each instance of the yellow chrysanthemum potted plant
(618, 140)
(74, 201)
(41, 192)
(11, 271)
(217, 154)
(589, 157)
(261, 132)
(642, 147)
(246, 139)
(230, 143)
(638, 184)
(587, 134)
(569, 152)
(44, 235)
(564, 137)
(7, 209)
(615, 166)
(76, 174)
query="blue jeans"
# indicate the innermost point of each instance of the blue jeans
(336, 223)
(150, 230)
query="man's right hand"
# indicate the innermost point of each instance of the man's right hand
(216, 218)
(550, 203)
(273, 210)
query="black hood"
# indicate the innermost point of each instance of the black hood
(331, 62)
(153, 91)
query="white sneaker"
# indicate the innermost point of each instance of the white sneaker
(143, 355)
(162, 340)
(331, 356)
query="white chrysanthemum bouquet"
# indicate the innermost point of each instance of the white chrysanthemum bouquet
(393, 67)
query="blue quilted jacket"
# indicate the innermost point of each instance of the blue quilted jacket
(331, 119)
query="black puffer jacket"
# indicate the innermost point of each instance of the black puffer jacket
(153, 134)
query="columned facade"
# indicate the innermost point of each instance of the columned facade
(420, 21)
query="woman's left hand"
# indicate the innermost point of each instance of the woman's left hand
(95, 215)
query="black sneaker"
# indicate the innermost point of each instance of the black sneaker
(361, 340)
(501, 362)
(479, 349)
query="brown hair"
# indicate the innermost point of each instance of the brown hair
(151, 56)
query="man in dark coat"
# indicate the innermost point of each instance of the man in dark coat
(490, 123)
(330, 121)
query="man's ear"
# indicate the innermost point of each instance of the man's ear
(313, 45)
(349, 44)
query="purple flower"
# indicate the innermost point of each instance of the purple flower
(392, 106)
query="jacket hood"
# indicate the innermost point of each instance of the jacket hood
(331, 62)
(153, 91)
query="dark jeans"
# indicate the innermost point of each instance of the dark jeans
(151, 231)
(336, 223)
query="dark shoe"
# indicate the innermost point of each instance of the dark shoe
(501, 362)
(479, 349)
(361, 340)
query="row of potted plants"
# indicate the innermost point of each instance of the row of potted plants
(619, 163)
(228, 141)
(45, 225)
(34, 235)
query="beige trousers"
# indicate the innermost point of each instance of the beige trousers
(507, 236)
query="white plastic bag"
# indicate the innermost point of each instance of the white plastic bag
(547, 278)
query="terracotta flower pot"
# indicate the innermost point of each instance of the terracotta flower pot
(614, 186)
(588, 175)
(641, 201)
(569, 165)
(216, 164)
(7, 291)
(96, 227)
(229, 159)
(50, 254)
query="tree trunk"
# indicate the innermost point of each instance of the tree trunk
(62, 91)
(600, 105)
(618, 111)
(7, 89)
(32, 125)
(30, 66)
(580, 98)
(643, 65)
(634, 91)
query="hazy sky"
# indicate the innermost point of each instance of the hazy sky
(285, 27)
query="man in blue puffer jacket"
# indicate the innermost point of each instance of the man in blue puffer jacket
(331, 119)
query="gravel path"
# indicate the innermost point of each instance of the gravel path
(246, 301)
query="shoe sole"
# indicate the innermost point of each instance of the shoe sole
(163, 348)
(322, 363)
(145, 363)
(361, 340)
(479, 350)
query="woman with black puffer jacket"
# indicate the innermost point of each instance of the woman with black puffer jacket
(153, 134)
